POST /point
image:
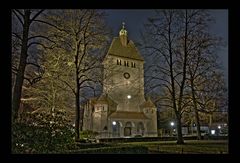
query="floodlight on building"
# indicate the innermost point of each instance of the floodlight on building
(129, 96)
(172, 123)
(219, 127)
(114, 123)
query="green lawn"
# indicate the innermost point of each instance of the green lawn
(190, 146)
(157, 147)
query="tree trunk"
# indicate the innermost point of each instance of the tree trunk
(179, 129)
(196, 112)
(21, 68)
(77, 120)
(158, 123)
(77, 93)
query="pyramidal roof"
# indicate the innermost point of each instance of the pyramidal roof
(129, 50)
(105, 99)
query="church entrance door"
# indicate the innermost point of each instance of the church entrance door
(127, 131)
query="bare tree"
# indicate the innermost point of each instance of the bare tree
(80, 36)
(24, 39)
(178, 41)
(163, 42)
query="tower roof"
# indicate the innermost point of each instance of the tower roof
(148, 104)
(123, 47)
(123, 31)
(105, 99)
(129, 51)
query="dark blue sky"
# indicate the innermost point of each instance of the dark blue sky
(135, 18)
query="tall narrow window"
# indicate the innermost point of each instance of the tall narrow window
(120, 62)
(117, 62)
(127, 63)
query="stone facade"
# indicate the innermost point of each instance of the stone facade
(121, 110)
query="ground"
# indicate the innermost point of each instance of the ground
(190, 147)
(161, 147)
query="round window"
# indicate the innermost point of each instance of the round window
(126, 75)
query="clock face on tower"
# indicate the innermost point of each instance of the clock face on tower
(126, 75)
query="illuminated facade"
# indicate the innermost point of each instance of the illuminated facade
(121, 110)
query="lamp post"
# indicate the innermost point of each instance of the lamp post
(219, 129)
(172, 124)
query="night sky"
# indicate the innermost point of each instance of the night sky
(135, 18)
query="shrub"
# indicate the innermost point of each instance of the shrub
(41, 132)
(88, 134)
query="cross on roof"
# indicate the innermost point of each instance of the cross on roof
(123, 25)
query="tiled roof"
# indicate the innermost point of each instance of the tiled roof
(129, 51)
(105, 99)
(128, 115)
(148, 103)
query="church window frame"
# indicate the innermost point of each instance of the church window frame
(119, 62)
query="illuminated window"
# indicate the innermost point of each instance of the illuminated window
(119, 62)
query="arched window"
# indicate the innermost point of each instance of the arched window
(128, 129)
(133, 64)
(116, 129)
(140, 129)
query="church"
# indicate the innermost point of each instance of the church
(121, 110)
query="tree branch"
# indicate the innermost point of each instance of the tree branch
(15, 13)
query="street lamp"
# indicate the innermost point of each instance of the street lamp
(172, 124)
(114, 123)
(129, 96)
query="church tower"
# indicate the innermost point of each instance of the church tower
(121, 110)
(124, 73)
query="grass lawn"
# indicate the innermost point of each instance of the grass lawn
(190, 147)
(158, 147)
